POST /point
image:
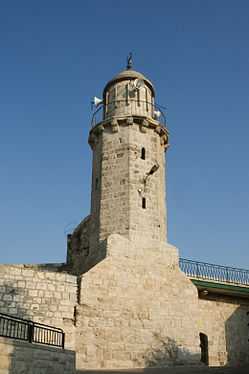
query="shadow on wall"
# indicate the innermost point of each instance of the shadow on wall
(168, 353)
(237, 336)
(226, 327)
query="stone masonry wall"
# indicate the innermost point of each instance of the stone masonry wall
(78, 248)
(225, 321)
(118, 182)
(112, 210)
(95, 191)
(150, 222)
(136, 309)
(42, 296)
(18, 357)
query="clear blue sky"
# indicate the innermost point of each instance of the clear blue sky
(56, 55)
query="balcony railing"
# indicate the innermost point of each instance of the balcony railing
(32, 332)
(131, 107)
(203, 270)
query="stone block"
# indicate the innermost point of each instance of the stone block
(28, 273)
(71, 279)
(31, 285)
(50, 287)
(33, 293)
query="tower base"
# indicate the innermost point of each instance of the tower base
(136, 309)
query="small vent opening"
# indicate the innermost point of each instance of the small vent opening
(143, 154)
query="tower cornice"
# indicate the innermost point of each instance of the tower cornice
(113, 124)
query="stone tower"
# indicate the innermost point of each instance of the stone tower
(135, 306)
(128, 194)
(127, 144)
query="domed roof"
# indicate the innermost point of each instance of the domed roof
(128, 74)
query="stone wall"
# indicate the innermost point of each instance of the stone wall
(18, 357)
(151, 221)
(119, 187)
(78, 248)
(136, 309)
(118, 180)
(225, 321)
(43, 296)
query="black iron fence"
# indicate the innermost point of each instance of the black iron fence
(130, 107)
(32, 332)
(214, 272)
(97, 116)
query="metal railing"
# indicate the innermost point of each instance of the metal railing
(32, 332)
(203, 270)
(97, 116)
(140, 107)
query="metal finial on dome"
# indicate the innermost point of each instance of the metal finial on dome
(128, 60)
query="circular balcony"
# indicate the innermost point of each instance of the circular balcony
(126, 108)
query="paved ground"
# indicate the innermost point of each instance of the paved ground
(175, 370)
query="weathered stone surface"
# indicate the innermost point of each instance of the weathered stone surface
(225, 322)
(132, 306)
(19, 357)
(42, 296)
(120, 182)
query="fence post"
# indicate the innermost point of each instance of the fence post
(227, 276)
(30, 332)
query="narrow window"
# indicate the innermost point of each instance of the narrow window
(127, 94)
(143, 203)
(115, 97)
(146, 99)
(106, 103)
(143, 154)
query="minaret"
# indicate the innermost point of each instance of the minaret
(136, 308)
(128, 197)
(128, 177)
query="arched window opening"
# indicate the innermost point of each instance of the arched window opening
(143, 154)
